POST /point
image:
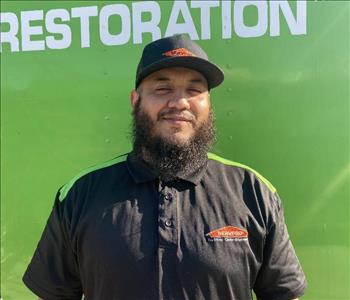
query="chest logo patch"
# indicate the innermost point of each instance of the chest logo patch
(227, 234)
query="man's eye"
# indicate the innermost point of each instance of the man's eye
(163, 90)
(195, 91)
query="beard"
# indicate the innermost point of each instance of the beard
(163, 155)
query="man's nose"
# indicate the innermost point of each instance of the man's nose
(179, 101)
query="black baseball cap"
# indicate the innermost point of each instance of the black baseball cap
(177, 51)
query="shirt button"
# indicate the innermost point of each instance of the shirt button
(168, 223)
(168, 196)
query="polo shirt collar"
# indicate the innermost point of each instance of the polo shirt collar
(140, 172)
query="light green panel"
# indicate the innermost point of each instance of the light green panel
(283, 110)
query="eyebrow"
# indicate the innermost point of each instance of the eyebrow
(198, 80)
(162, 79)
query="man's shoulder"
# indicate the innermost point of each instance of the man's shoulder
(95, 170)
(236, 166)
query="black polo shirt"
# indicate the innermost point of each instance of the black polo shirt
(118, 232)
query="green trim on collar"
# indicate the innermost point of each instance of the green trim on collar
(235, 164)
(66, 188)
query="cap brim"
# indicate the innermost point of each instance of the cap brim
(213, 74)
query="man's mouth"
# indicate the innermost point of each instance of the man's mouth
(178, 118)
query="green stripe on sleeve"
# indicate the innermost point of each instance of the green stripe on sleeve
(66, 188)
(232, 163)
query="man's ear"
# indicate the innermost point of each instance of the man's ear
(134, 98)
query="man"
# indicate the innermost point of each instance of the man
(168, 220)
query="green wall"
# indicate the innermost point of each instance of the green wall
(283, 110)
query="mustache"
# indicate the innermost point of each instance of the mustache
(175, 113)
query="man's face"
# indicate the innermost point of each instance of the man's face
(176, 100)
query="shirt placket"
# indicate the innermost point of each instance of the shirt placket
(167, 217)
(167, 242)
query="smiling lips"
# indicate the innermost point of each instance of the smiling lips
(177, 118)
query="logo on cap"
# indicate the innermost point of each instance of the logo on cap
(178, 52)
(227, 234)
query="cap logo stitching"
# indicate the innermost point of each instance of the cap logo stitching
(178, 52)
(227, 234)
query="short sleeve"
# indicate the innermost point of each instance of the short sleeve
(53, 272)
(281, 276)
